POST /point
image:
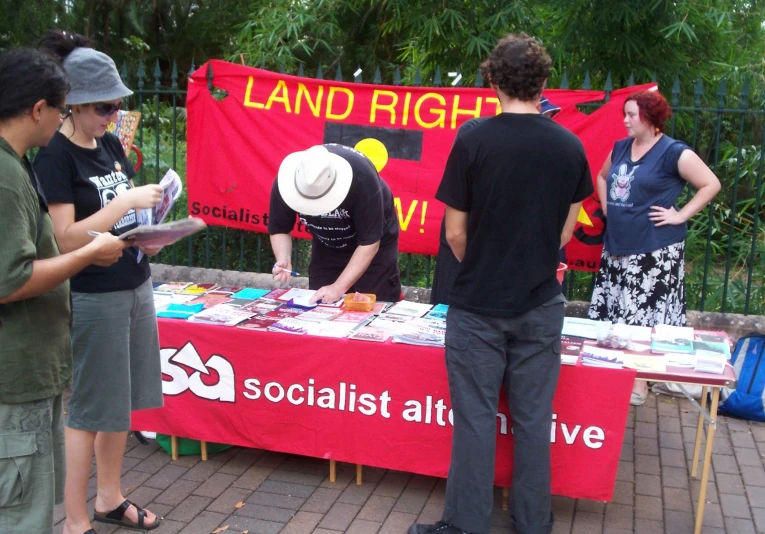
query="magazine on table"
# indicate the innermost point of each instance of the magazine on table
(259, 322)
(409, 309)
(170, 287)
(250, 293)
(333, 329)
(438, 312)
(196, 289)
(320, 314)
(290, 325)
(422, 332)
(262, 306)
(224, 290)
(712, 336)
(669, 332)
(578, 327)
(667, 346)
(600, 357)
(655, 363)
(355, 317)
(371, 333)
(285, 311)
(222, 315)
(710, 362)
(211, 299)
(703, 347)
(570, 347)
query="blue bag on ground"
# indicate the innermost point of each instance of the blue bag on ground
(747, 401)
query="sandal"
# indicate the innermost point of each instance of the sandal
(117, 517)
(637, 399)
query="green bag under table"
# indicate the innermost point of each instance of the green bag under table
(189, 447)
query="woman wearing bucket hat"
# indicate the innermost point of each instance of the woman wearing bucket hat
(116, 368)
(348, 209)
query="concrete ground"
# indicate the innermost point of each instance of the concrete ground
(244, 490)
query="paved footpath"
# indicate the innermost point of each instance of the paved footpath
(246, 490)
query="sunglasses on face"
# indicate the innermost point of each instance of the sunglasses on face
(64, 111)
(104, 109)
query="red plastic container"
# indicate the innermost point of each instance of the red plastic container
(562, 268)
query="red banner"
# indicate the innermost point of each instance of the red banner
(236, 143)
(367, 403)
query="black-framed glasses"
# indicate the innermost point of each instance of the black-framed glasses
(64, 111)
(104, 109)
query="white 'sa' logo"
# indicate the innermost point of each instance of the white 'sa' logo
(180, 380)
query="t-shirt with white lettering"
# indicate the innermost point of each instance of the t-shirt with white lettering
(90, 178)
(366, 216)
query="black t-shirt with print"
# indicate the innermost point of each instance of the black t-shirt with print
(90, 179)
(366, 216)
(516, 175)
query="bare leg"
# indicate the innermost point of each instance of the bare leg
(110, 448)
(639, 392)
(79, 456)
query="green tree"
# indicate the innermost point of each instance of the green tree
(663, 37)
(384, 33)
(22, 23)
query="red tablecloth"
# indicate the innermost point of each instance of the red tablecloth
(376, 404)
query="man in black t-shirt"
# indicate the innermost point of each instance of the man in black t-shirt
(348, 209)
(447, 265)
(508, 206)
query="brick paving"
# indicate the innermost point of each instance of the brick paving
(289, 494)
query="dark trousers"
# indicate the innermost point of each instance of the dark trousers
(482, 354)
(381, 280)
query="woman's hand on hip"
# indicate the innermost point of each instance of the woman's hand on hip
(665, 216)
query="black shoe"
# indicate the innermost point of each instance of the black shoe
(438, 528)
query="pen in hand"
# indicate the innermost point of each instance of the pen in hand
(282, 269)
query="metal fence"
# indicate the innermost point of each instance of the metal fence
(724, 265)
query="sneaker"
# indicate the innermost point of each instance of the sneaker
(438, 528)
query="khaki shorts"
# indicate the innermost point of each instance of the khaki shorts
(32, 465)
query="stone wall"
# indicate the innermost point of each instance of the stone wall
(735, 325)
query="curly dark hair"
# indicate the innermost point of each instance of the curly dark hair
(653, 107)
(519, 65)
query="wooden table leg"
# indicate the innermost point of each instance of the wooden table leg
(699, 433)
(332, 471)
(359, 469)
(505, 498)
(708, 446)
(203, 447)
(174, 447)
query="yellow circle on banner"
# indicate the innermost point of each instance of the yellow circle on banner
(375, 151)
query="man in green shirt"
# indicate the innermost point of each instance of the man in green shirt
(35, 317)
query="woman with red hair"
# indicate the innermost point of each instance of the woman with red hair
(640, 281)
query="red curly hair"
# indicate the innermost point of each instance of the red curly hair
(653, 108)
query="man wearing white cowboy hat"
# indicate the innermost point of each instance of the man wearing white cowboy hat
(348, 209)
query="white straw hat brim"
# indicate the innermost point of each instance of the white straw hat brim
(314, 206)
